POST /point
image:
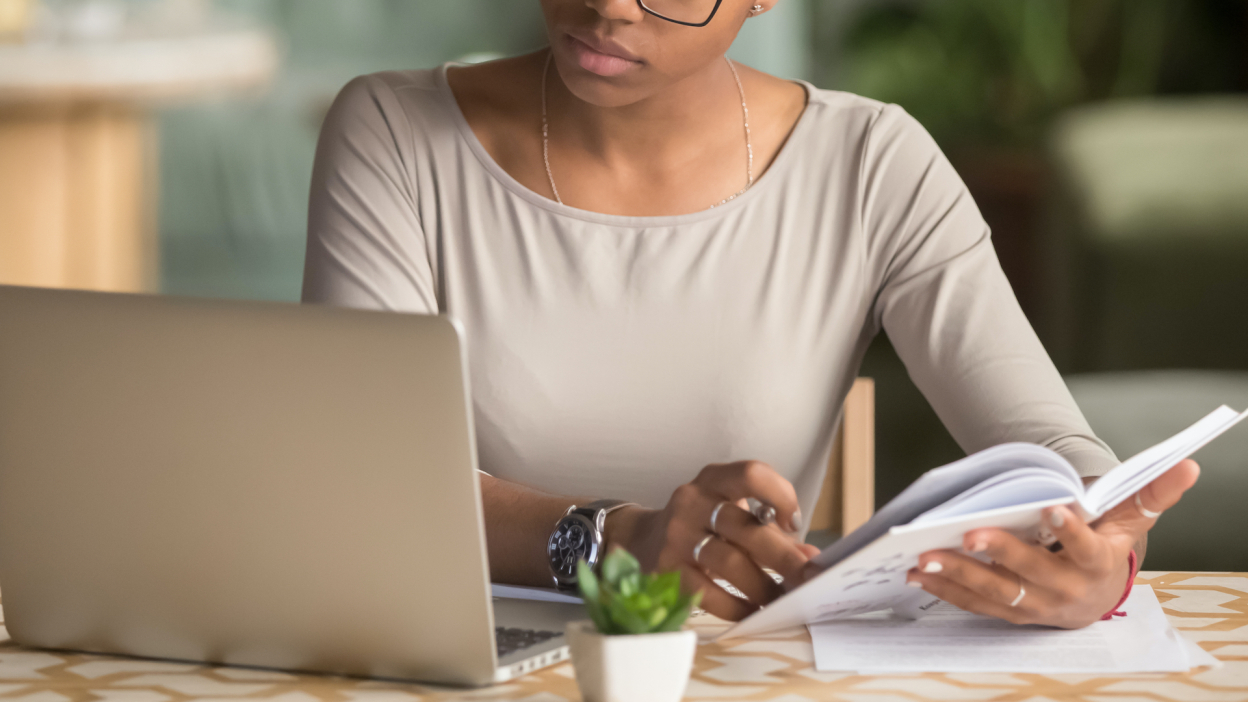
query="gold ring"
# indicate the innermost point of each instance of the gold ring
(697, 550)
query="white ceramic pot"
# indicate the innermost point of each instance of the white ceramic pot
(631, 668)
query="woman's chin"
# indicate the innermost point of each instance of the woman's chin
(615, 89)
(599, 91)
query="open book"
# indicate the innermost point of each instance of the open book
(1006, 486)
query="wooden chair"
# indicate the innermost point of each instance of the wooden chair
(847, 498)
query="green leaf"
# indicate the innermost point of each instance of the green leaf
(598, 615)
(657, 616)
(624, 600)
(618, 564)
(665, 589)
(586, 581)
(673, 622)
(626, 618)
(664, 582)
(641, 602)
(681, 613)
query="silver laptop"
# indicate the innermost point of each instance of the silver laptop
(257, 484)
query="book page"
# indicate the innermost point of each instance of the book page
(1017, 487)
(939, 485)
(874, 578)
(950, 640)
(1141, 469)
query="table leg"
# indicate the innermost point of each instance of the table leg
(75, 198)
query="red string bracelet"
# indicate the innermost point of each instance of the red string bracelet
(1132, 565)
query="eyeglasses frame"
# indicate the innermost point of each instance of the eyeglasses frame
(642, 5)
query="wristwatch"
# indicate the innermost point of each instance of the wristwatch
(578, 537)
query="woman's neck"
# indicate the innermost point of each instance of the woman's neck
(664, 129)
(678, 151)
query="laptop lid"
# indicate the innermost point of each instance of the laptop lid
(246, 483)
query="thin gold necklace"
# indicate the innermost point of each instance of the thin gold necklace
(745, 111)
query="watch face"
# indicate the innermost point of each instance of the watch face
(572, 541)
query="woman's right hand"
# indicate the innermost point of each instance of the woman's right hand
(665, 540)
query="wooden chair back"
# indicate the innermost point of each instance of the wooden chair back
(847, 498)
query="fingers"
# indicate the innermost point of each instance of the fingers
(730, 563)
(1164, 492)
(1080, 544)
(1127, 522)
(963, 597)
(743, 546)
(714, 598)
(738, 481)
(1029, 561)
(766, 545)
(994, 582)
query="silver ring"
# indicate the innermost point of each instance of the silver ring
(1144, 510)
(1022, 592)
(715, 515)
(697, 550)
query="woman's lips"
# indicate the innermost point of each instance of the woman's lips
(597, 62)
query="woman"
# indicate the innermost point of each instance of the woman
(668, 267)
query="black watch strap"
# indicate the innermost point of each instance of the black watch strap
(598, 510)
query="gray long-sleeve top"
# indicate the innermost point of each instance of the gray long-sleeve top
(616, 356)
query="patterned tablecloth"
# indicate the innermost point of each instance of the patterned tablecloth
(1210, 608)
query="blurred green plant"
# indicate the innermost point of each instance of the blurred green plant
(627, 601)
(997, 71)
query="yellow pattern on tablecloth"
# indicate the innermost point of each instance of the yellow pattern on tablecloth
(1209, 608)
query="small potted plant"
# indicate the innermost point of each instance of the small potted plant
(633, 647)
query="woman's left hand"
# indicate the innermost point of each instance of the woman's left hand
(1071, 588)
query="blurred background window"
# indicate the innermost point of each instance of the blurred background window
(1106, 142)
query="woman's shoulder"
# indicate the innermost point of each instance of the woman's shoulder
(409, 91)
(495, 98)
(414, 107)
(861, 119)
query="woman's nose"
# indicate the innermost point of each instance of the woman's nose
(618, 10)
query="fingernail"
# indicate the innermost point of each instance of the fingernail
(1057, 517)
(979, 547)
(933, 567)
(913, 583)
(796, 521)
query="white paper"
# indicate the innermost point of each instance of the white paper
(537, 594)
(1198, 657)
(949, 640)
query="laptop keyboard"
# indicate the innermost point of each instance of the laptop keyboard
(512, 640)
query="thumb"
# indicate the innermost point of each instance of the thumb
(1128, 522)
(1165, 492)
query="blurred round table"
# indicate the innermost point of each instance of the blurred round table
(78, 149)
